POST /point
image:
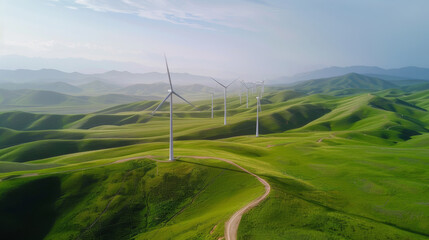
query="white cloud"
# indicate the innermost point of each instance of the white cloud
(72, 7)
(202, 14)
(54, 45)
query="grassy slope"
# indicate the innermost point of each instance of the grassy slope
(140, 196)
(54, 102)
(348, 81)
(362, 179)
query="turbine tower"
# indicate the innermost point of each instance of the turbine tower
(239, 92)
(247, 93)
(212, 103)
(224, 98)
(263, 84)
(258, 108)
(260, 92)
(170, 94)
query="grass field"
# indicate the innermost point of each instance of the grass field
(341, 166)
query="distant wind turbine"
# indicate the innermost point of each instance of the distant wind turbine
(212, 103)
(247, 93)
(258, 108)
(239, 92)
(262, 90)
(224, 98)
(170, 95)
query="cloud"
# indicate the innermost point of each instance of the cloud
(242, 14)
(54, 45)
(72, 7)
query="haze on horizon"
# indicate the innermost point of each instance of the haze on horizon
(222, 38)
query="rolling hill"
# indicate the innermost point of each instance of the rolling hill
(405, 73)
(39, 101)
(60, 87)
(340, 167)
(98, 87)
(348, 81)
(112, 77)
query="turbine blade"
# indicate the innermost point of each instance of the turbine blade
(168, 72)
(163, 101)
(184, 99)
(218, 82)
(231, 83)
(244, 84)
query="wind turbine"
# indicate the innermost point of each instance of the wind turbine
(255, 87)
(239, 92)
(247, 93)
(170, 95)
(258, 108)
(263, 84)
(224, 98)
(260, 84)
(212, 102)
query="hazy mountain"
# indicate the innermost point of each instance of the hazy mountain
(99, 86)
(123, 78)
(160, 89)
(348, 81)
(60, 87)
(38, 98)
(39, 76)
(151, 77)
(387, 74)
(69, 64)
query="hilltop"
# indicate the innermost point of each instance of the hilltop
(404, 73)
(49, 101)
(348, 81)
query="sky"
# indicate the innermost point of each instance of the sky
(226, 38)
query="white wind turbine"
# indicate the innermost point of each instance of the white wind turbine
(212, 102)
(170, 95)
(258, 108)
(239, 92)
(260, 92)
(247, 93)
(263, 85)
(224, 98)
(255, 87)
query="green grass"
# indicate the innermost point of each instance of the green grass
(353, 166)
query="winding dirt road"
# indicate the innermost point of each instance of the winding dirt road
(231, 226)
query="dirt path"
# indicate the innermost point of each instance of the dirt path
(231, 226)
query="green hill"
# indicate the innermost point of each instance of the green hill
(98, 87)
(48, 101)
(348, 81)
(340, 166)
(417, 87)
(60, 87)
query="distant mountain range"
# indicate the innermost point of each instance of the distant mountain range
(60, 87)
(348, 81)
(38, 98)
(406, 73)
(97, 88)
(355, 83)
(70, 64)
(122, 78)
